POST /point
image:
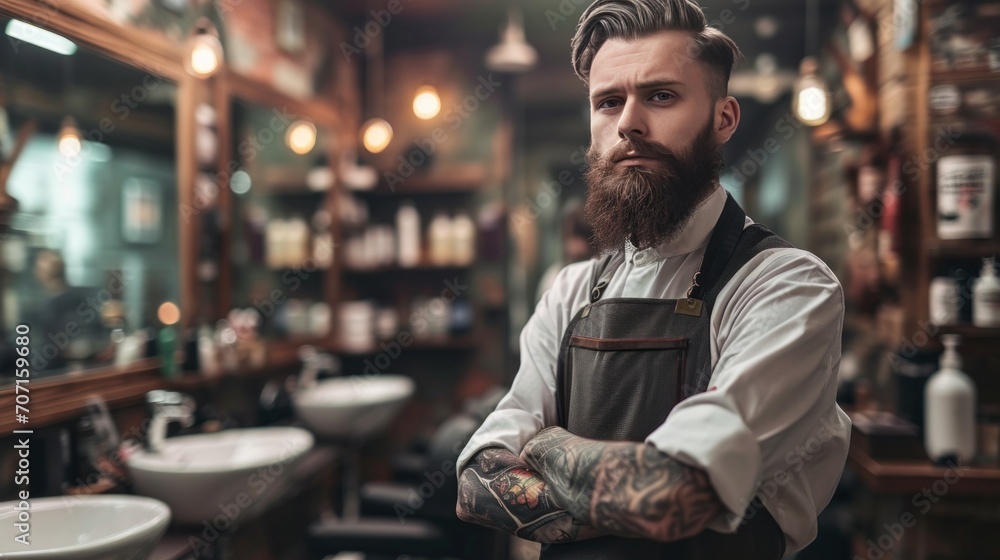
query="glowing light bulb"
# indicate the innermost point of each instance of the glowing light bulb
(426, 103)
(376, 135)
(168, 313)
(301, 137)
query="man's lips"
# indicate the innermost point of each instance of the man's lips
(635, 160)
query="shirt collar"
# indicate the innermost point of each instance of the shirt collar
(696, 232)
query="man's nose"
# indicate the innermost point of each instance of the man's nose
(632, 122)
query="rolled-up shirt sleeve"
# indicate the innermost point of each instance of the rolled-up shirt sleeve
(769, 425)
(530, 405)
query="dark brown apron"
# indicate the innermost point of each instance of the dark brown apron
(624, 363)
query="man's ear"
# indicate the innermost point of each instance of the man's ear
(727, 118)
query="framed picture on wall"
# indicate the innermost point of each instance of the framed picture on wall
(142, 210)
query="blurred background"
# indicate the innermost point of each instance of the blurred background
(224, 207)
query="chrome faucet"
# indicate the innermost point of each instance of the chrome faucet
(314, 362)
(166, 407)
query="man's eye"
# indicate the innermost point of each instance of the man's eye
(663, 96)
(608, 104)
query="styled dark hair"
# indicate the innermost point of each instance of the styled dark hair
(632, 19)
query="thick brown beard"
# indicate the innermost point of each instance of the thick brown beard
(649, 206)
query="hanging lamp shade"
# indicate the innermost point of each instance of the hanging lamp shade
(513, 54)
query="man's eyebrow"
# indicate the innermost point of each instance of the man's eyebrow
(653, 84)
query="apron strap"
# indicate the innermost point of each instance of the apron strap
(605, 268)
(721, 247)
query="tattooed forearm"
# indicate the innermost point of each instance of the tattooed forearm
(623, 488)
(498, 490)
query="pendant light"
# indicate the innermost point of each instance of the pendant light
(513, 55)
(426, 103)
(204, 50)
(811, 101)
(376, 132)
(69, 140)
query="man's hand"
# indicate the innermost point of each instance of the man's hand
(497, 490)
(622, 488)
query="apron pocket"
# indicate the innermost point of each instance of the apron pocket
(622, 388)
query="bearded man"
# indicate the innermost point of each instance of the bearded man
(676, 395)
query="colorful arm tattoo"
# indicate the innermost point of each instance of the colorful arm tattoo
(496, 489)
(623, 488)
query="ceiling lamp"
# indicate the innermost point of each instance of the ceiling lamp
(811, 100)
(513, 55)
(376, 133)
(70, 141)
(301, 137)
(17, 29)
(204, 50)
(426, 103)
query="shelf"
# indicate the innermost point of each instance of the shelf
(286, 192)
(939, 77)
(418, 268)
(435, 343)
(963, 248)
(460, 180)
(970, 331)
(912, 477)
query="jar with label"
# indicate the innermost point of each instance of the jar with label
(965, 183)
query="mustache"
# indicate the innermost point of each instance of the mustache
(634, 147)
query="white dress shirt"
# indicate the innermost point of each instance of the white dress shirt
(768, 426)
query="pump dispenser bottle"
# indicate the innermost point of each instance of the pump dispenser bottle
(950, 410)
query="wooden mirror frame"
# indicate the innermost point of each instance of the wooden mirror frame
(63, 397)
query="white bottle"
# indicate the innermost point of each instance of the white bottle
(441, 253)
(408, 233)
(950, 409)
(463, 233)
(986, 297)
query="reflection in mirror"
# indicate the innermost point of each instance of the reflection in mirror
(88, 248)
(282, 242)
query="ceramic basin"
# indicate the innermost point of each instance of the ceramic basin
(109, 527)
(219, 478)
(352, 408)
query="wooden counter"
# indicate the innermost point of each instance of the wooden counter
(914, 476)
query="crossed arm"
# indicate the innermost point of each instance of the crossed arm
(565, 488)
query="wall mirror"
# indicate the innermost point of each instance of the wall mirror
(89, 241)
(282, 243)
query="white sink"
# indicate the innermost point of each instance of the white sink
(110, 527)
(222, 477)
(352, 408)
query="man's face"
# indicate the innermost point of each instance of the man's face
(656, 136)
(650, 89)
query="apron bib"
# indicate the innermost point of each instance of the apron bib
(624, 363)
